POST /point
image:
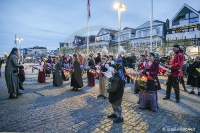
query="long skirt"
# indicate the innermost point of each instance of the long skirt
(41, 77)
(21, 75)
(102, 83)
(57, 79)
(148, 99)
(76, 82)
(91, 80)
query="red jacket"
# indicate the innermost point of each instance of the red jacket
(176, 65)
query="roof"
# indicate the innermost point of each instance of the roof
(147, 24)
(112, 32)
(184, 8)
(132, 29)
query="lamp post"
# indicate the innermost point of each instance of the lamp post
(121, 7)
(19, 39)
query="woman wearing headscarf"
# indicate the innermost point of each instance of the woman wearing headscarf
(11, 74)
(76, 77)
(148, 98)
(41, 74)
(90, 76)
(57, 79)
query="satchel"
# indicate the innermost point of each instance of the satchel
(142, 82)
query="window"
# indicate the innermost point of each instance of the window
(193, 15)
(193, 18)
(139, 33)
(187, 16)
(103, 38)
(157, 30)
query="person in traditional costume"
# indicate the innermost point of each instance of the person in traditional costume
(116, 91)
(21, 73)
(76, 76)
(49, 66)
(173, 78)
(140, 68)
(90, 76)
(42, 71)
(57, 79)
(103, 80)
(98, 59)
(194, 78)
(11, 74)
(148, 97)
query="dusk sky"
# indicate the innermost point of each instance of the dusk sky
(45, 23)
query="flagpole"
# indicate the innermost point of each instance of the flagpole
(151, 27)
(88, 34)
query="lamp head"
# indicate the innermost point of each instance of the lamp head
(120, 6)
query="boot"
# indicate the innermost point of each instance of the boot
(184, 87)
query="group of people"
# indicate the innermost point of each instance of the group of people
(112, 76)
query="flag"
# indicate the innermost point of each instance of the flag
(88, 8)
(15, 39)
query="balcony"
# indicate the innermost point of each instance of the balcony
(188, 35)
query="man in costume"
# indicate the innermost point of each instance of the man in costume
(174, 77)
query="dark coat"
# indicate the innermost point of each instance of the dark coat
(193, 77)
(57, 79)
(97, 59)
(116, 90)
(76, 80)
(124, 62)
(91, 64)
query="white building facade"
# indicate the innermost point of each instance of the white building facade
(142, 38)
(185, 25)
(104, 37)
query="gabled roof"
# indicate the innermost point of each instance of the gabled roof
(147, 24)
(184, 8)
(132, 29)
(112, 32)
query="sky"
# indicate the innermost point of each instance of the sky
(45, 23)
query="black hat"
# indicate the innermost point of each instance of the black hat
(152, 54)
(176, 45)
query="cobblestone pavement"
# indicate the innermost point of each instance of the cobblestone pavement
(44, 108)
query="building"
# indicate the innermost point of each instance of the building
(126, 34)
(81, 41)
(32, 54)
(185, 25)
(141, 41)
(104, 37)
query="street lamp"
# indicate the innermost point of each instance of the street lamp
(121, 7)
(20, 39)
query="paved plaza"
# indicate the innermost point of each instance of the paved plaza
(45, 108)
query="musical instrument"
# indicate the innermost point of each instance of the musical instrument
(163, 69)
(94, 72)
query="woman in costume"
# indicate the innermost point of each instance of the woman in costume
(57, 79)
(90, 76)
(140, 68)
(41, 74)
(148, 98)
(76, 76)
(194, 77)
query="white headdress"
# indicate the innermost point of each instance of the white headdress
(121, 50)
(104, 50)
